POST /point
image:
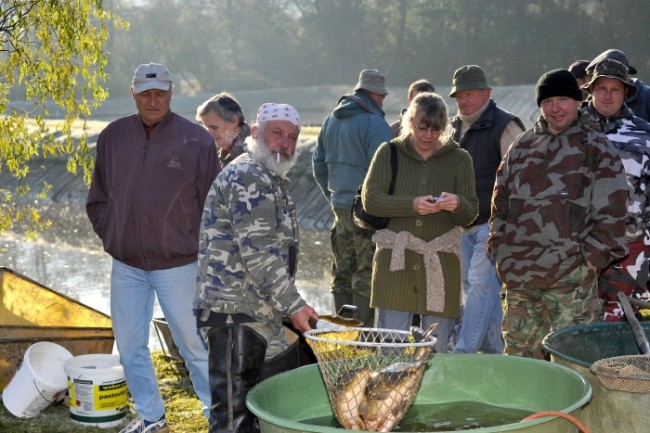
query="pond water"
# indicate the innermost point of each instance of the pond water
(69, 259)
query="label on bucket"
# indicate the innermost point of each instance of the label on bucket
(89, 397)
(97, 389)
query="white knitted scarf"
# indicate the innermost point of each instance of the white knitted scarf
(400, 242)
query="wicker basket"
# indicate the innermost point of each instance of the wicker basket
(371, 375)
(629, 373)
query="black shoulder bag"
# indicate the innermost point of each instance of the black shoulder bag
(363, 219)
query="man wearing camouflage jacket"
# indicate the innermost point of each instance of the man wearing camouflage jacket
(247, 260)
(609, 87)
(558, 217)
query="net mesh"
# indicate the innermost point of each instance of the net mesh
(630, 373)
(371, 375)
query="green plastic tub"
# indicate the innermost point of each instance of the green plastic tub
(578, 347)
(283, 402)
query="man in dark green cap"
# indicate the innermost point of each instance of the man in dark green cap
(485, 131)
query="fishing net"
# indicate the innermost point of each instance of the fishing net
(630, 373)
(371, 375)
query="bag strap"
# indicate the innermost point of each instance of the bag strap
(393, 166)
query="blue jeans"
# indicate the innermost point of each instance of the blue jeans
(401, 320)
(133, 292)
(480, 328)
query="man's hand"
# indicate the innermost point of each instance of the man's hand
(300, 320)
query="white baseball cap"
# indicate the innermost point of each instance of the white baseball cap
(151, 76)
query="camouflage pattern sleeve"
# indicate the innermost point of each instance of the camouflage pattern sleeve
(605, 241)
(248, 229)
(630, 135)
(499, 210)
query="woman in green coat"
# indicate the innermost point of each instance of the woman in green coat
(416, 267)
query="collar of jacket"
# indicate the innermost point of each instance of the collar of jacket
(485, 120)
(366, 103)
(409, 151)
(585, 121)
(612, 122)
(163, 122)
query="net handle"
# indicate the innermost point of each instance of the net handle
(639, 335)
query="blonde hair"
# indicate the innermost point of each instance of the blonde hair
(430, 109)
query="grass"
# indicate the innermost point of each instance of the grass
(309, 132)
(183, 408)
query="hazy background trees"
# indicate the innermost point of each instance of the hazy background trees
(256, 44)
(56, 54)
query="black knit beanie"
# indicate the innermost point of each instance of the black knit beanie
(559, 82)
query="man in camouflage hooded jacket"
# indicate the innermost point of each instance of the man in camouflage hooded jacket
(609, 87)
(247, 260)
(558, 217)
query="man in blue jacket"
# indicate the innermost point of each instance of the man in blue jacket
(346, 144)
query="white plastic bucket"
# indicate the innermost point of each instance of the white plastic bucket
(97, 388)
(39, 381)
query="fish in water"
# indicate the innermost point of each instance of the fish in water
(390, 393)
(388, 396)
(363, 399)
(349, 396)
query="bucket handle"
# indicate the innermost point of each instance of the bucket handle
(566, 416)
(58, 397)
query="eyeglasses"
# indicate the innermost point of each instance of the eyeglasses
(424, 129)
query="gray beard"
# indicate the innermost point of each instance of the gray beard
(260, 153)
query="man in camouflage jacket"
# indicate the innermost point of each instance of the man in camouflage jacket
(558, 217)
(247, 261)
(609, 87)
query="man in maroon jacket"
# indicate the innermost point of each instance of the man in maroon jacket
(153, 170)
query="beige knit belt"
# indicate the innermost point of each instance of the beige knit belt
(400, 242)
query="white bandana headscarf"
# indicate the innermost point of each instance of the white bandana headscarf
(272, 111)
